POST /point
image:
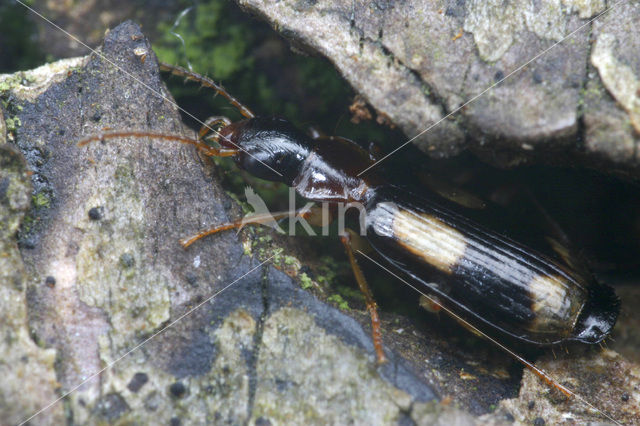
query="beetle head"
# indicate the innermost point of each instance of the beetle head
(268, 148)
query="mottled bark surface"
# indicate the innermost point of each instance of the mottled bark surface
(417, 61)
(99, 270)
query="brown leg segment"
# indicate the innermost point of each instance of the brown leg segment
(372, 307)
(258, 219)
(208, 125)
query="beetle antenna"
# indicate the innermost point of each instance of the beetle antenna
(202, 147)
(207, 82)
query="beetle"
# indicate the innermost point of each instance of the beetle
(486, 279)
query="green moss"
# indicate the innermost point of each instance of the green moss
(214, 45)
(305, 281)
(5, 86)
(41, 200)
(246, 208)
(350, 291)
(327, 270)
(247, 249)
(338, 300)
(13, 123)
(27, 223)
(277, 255)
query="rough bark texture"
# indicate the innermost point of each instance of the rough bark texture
(100, 270)
(418, 61)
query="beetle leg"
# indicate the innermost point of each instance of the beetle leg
(256, 219)
(372, 306)
(431, 304)
(209, 125)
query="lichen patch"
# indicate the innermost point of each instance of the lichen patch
(619, 79)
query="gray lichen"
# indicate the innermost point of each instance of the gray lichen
(26, 369)
(290, 391)
(619, 78)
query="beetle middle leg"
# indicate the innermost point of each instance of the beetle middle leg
(372, 306)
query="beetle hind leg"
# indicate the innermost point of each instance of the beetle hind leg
(372, 306)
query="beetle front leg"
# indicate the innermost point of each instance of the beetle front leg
(265, 219)
(210, 125)
(372, 306)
